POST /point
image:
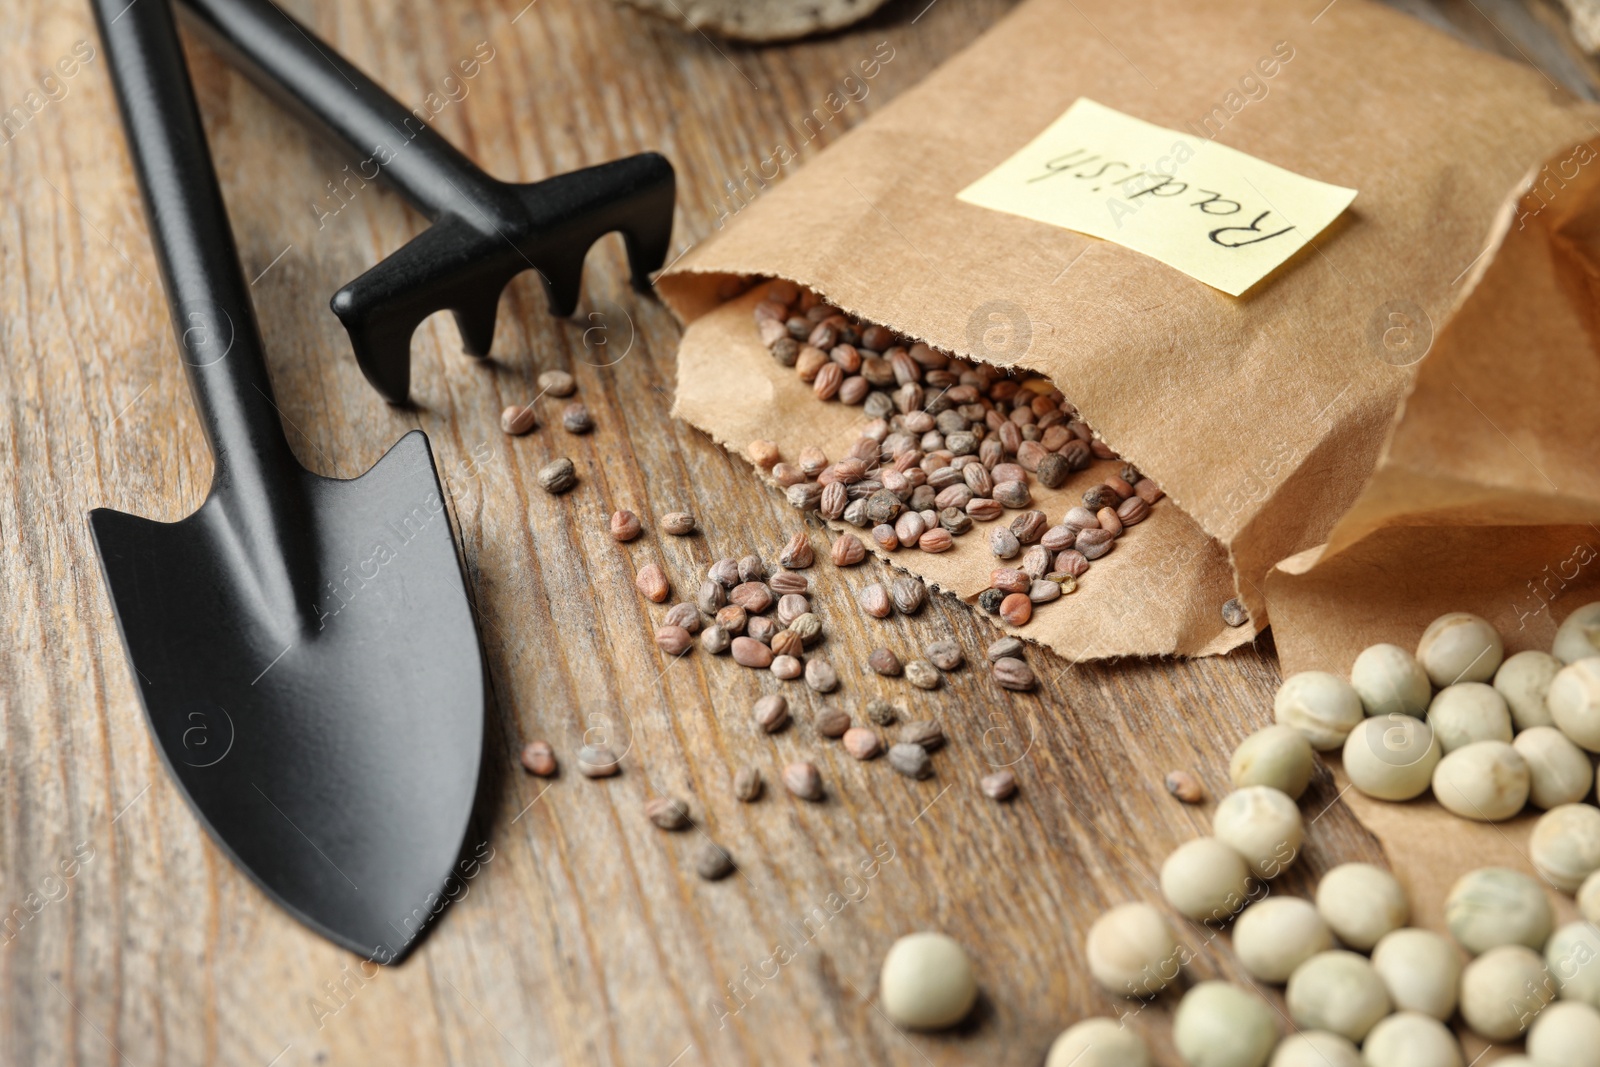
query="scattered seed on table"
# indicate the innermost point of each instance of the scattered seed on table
(881, 711)
(910, 760)
(1036, 562)
(748, 652)
(752, 568)
(733, 618)
(559, 476)
(762, 628)
(747, 784)
(885, 662)
(1234, 613)
(1185, 786)
(763, 454)
(713, 862)
(922, 674)
(1016, 609)
(990, 600)
(1013, 674)
(652, 582)
(944, 654)
(791, 606)
(821, 676)
(711, 597)
(862, 743)
(803, 781)
(832, 722)
(575, 418)
(1005, 646)
(673, 640)
(715, 639)
(725, 572)
(787, 643)
(772, 713)
(927, 733)
(517, 419)
(538, 758)
(804, 496)
(597, 761)
(684, 615)
(797, 554)
(809, 627)
(787, 582)
(625, 525)
(998, 786)
(753, 596)
(786, 668)
(677, 523)
(669, 813)
(874, 600)
(557, 383)
(909, 595)
(848, 550)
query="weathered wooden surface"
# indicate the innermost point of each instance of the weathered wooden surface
(585, 937)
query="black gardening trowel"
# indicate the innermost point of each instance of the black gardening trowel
(303, 646)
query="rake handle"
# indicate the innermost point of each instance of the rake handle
(307, 75)
(212, 315)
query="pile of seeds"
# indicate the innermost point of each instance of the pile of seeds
(1489, 734)
(1361, 986)
(766, 622)
(949, 443)
(764, 619)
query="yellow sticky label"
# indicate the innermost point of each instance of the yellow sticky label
(1213, 212)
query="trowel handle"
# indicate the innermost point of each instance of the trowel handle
(308, 76)
(209, 301)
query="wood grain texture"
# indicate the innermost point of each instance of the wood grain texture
(585, 936)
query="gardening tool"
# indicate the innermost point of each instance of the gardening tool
(484, 232)
(303, 646)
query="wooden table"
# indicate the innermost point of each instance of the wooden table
(585, 936)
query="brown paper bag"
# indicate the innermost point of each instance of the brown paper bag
(1265, 416)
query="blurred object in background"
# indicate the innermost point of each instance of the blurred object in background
(1584, 18)
(780, 20)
